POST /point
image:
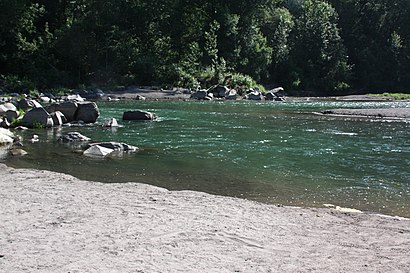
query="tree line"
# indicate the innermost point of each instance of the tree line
(326, 47)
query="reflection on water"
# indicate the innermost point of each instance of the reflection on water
(270, 152)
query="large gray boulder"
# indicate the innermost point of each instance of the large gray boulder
(255, 95)
(7, 107)
(10, 115)
(200, 95)
(138, 115)
(231, 94)
(219, 91)
(69, 109)
(37, 117)
(58, 118)
(25, 104)
(87, 112)
(276, 94)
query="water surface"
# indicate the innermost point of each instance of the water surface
(271, 152)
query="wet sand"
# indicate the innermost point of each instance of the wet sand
(51, 222)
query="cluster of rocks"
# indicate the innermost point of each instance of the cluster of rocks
(31, 113)
(28, 113)
(223, 92)
(10, 144)
(99, 149)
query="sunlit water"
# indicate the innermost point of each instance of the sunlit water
(271, 152)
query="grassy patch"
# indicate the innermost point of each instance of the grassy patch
(396, 96)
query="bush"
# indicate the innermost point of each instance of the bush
(14, 84)
(242, 82)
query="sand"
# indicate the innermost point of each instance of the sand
(51, 222)
(385, 113)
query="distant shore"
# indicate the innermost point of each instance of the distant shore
(51, 222)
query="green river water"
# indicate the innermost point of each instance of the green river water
(276, 153)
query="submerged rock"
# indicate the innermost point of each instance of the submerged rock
(138, 115)
(117, 146)
(98, 151)
(73, 137)
(111, 122)
(103, 149)
(17, 152)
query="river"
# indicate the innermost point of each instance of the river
(276, 153)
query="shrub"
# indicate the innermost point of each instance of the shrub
(242, 82)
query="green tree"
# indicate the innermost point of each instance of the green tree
(318, 55)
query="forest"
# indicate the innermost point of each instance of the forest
(307, 46)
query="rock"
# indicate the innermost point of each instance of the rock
(34, 139)
(231, 94)
(45, 99)
(17, 152)
(139, 97)
(91, 94)
(255, 95)
(111, 122)
(75, 98)
(11, 115)
(87, 112)
(73, 137)
(116, 146)
(6, 136)
(271, 96)
(37, 117)
(98, 151)
(58, 118)
(275, 94)
(199, 95)
(138, 115)
(69, 109)
(278, 91)
(4, 123)
(210, 96)
(25, 104)
(218, 91)
(7, 107)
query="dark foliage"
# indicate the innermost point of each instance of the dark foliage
(328, 47)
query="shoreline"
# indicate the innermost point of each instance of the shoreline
(52, 222)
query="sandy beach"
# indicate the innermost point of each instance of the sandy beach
(51, 222)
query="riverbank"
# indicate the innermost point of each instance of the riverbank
(51, 222)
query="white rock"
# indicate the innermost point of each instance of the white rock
(98, 151)
(6, 136)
